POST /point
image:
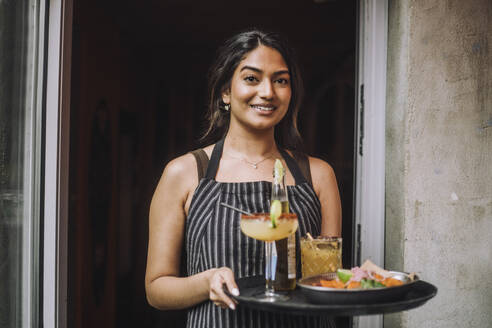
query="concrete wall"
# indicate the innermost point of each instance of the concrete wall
(439, 157)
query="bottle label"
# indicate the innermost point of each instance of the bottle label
(274, 261)
(291, 256)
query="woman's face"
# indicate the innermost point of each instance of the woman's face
(260, 90)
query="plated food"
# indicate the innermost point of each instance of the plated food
(367, 276)
(361, 284)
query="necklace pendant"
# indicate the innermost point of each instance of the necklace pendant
(255, 166)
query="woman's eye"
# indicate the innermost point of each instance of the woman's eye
(283, 81)
(250, 79)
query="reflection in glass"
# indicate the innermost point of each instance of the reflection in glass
(20, 144)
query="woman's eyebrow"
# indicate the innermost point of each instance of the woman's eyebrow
(260, 71)
(286, 71)
(251, 68)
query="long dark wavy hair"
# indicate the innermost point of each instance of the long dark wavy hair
(229, 55)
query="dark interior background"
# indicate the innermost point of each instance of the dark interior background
(138, 100)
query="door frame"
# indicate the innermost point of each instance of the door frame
(370, 136)
(370, 151)
(56, 165)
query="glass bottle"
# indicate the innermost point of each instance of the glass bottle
(285, 272)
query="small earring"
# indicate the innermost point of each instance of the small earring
(227, 107)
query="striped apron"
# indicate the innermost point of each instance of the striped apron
(214, 239)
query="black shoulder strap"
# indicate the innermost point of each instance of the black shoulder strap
(201, 162)
(213, 166)
(303, 162)
(293, 167)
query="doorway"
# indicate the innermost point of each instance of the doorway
(138, 100)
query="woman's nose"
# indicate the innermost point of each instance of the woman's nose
(266, 90)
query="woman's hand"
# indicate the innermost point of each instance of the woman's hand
(219, 278)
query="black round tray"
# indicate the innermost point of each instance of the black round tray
(299, 304)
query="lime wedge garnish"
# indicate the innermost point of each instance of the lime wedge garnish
(275, 212)
(344, 275)
(278, 171)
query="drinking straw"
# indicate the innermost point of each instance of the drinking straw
(236, 209)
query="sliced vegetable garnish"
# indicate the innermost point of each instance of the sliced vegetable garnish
(377, 284)
(367, 283)
(344, 275)
(370, 283)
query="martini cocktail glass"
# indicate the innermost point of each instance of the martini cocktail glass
(259, 226)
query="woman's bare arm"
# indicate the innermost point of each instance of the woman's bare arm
(326, 187)
(164, 288)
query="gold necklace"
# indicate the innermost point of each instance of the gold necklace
(252, 164)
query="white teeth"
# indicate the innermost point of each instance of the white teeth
(263, 108)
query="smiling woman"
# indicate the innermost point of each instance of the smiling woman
(255, 97)
(259, 94)
(270, 69)
(150, 61)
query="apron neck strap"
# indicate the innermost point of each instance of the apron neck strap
(213, 165)
(293, 167)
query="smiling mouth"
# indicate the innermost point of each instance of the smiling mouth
(264, 108)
